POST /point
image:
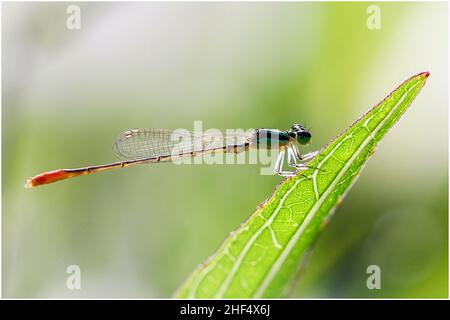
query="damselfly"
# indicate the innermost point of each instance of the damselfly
(138, 146)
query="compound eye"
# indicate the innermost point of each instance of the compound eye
(303, 137)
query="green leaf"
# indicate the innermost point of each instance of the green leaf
(261, 258)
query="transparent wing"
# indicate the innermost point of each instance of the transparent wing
(147, 143)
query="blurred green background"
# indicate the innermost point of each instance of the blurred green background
(139, 232)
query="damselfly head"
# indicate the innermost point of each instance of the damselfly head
(300, 133)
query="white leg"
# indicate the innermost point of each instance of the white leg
(279, 165)
(297, 152)
(292, 157)
(301, 160)
(310, 155)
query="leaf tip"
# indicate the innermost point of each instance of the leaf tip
(425, 74)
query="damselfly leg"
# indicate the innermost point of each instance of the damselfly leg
(299, 159)
(294, 160)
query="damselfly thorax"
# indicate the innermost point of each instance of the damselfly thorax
(139, 146)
